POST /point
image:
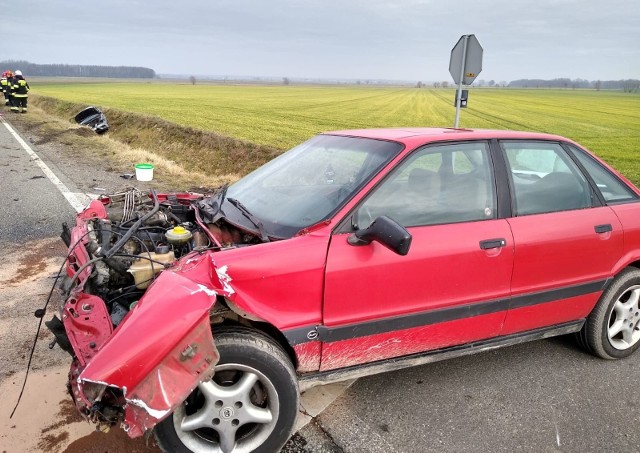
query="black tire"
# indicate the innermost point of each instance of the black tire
(594, 336)
(242, 351)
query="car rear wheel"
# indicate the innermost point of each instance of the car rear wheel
(250, 405)
(612, 330)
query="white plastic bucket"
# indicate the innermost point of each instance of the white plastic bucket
(144, 172)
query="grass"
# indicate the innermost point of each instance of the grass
(46, 129)
(279, 117)
(181, 153)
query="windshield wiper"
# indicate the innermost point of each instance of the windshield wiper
(212, 207)
(258, 224)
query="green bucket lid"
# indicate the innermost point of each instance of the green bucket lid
(144, 166)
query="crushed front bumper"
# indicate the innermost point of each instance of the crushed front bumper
(141, 371)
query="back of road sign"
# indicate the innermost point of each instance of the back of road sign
(472, 62)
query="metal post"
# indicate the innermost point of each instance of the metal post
(459, 93)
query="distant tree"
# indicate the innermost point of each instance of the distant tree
(445, 84)
(436, 84)
(597, 85)
(358, 82)
(481, 83)
(504, 83)
(630, 86)
(286, 81)
(492, 83)
(192, 79)
(419, 85)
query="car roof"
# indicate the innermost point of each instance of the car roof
(429, 134)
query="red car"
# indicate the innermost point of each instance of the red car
(354, 253)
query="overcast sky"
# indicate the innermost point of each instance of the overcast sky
(357, 39)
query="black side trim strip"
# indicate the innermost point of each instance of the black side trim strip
(558, 294)
(363, 329)
(309, 380)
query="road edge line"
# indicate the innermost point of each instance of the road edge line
(64, 190)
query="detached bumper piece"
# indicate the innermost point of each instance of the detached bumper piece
(93, 118)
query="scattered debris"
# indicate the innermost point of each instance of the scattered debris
(93, 118)
(37, 177)
(127, 175)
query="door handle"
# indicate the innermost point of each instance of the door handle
(603, 228)
(492, 244)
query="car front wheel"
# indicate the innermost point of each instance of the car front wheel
(250, 405)
(612, 330)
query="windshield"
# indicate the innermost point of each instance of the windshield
(308, 183)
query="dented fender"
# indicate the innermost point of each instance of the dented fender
(163, 348)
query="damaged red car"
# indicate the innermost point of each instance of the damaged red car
(201, 318)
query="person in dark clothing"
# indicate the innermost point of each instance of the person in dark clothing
(20, 93)
(10, 91)
(4, 85)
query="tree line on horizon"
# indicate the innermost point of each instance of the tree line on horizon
(138, 72)
(76, 70)
(627, 85)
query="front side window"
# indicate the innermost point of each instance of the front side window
(611, 188)
(435, 185)
(544, 178)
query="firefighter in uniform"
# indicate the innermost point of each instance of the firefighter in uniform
(4, 85)
(20, 93)
(10, 89)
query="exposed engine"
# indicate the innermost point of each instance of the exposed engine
(142, 235)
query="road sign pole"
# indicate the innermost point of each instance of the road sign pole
(459, 93)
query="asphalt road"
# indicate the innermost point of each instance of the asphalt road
(544, 396)
(32, 207)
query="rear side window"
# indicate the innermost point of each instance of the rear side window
(544, 178)
(611, 188)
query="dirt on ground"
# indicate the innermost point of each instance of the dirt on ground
(46, 419)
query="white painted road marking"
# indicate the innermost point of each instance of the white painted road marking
(66, 193)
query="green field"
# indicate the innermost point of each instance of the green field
(608, 123)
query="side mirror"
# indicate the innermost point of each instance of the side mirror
(387, 232)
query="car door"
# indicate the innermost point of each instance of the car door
(566, 241)
(453, 285)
